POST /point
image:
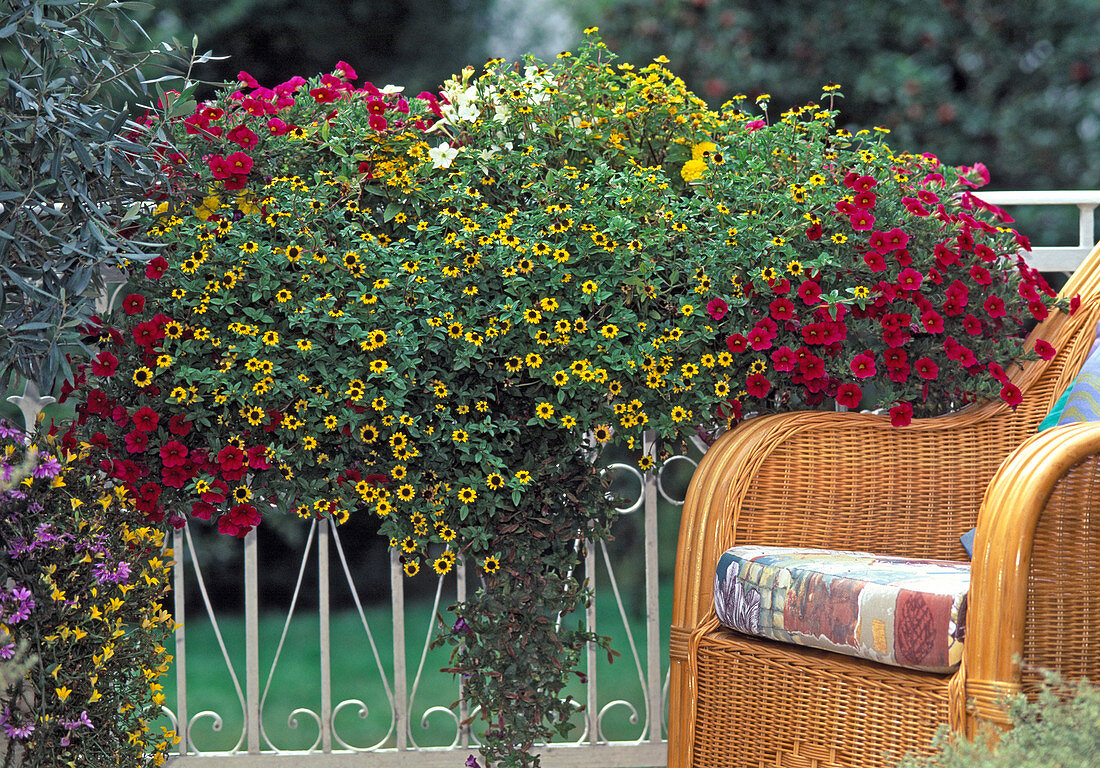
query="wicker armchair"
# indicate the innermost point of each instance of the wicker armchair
(852, 481)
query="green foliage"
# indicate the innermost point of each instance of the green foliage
(439, 310)
(1013, 83)
(81, 584)
(72, 164)
(1060, 729)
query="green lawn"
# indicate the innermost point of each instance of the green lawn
(296, 682)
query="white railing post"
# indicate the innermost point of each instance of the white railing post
(400, 679)
(654, 717)
(326, 648)
(252, 643)
(178, 604)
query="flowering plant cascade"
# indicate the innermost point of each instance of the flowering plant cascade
(437, 310)
(82, 575)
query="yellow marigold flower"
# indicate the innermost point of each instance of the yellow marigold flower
(692, 170)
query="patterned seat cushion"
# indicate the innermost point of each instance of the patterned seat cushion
(909, 613)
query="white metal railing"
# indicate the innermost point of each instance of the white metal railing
(398, 745)
(1059, 258)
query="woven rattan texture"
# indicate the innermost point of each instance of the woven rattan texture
(892, 492)
(1063, 602)
(862, 711)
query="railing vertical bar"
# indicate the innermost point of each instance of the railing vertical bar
(652, 596)
(463, 705)
(326, 650)
(181, 653)
(252, 642)
(591, 711)
(1085, 225)
(400, 675)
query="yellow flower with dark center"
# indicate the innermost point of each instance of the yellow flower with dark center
(250, 247)
(143, 377)
(283, 296)
(494, 481)
(454, 330)
(561, 255)
(309, 442)
(378, 366)
(721, 389)
(568, 421)
(602, 433)
(513, 364)
(533, 360)
(441, 565)
(467, 495)
(460, 436)
(368, 433)
(293, 253)
(561, 378)
(411, 568)
(491, 564)
(241, 494)
(523, 477)
(609, 331)
(406, 492)
(271, 338)
(383, 508)
(645, 463)
(378, 403)
(173, 330)
(544, 410)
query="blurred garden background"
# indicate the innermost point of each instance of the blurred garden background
(1012, 84)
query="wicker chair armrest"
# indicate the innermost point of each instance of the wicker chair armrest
(1037, 543)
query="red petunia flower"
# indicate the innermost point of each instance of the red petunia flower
(325, 95)
(782, 309)
(175, 477)
(243, 136)
(809, 292)
(972, 325)
(173, 454)
(1074, 304)
(758, 385)
(136, 441)
(239, 163)
(105, 364)
(145, 419)
(849, 395)
(926, 368)
(814, 231)
(874, 260)
(257, 458)
(863, 183)
(994, 306)
(133, 304)
(202, 510)
(178, 425)
(277, 127)
(1012, 395)
(1038, 309)
(901, 415)
(932, 321)
(863, 365)
(810, 365)
(345, 70)
(737, 343)
(717, 308)
(219, 167)
(156, 268)
(231, 457)
(1044, 349)
(784, 359)
(910, 279)
(861, 221)
(865, 200)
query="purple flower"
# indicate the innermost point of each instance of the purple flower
(471, 761)
(49, 467)
(103, 573)
(7, 651)
(9, 431)
(14, 729)
(460, 625)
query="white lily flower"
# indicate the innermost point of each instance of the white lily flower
(443, 155)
